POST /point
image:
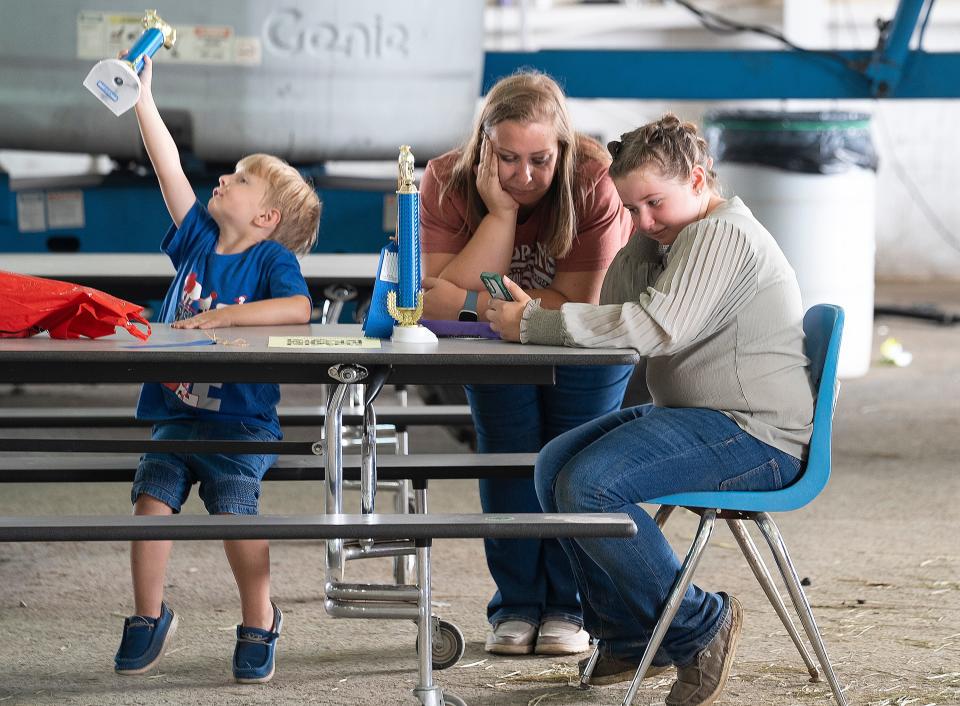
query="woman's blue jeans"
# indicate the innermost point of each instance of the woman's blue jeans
(533, 576)
(627, 457)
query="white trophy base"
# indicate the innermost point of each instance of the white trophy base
(413, 334)
(115, 83)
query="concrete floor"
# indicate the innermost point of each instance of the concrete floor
(879, 548)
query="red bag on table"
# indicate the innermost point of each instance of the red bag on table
(29, 305)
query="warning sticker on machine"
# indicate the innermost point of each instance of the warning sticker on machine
(103, 35)
(31, 212)
(65, 209)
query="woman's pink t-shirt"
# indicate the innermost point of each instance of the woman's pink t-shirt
(603, 225)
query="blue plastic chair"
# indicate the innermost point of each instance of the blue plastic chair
(822, 325)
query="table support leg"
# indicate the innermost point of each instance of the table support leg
(368, 446)
(426, 691)
(333, 458)
(353, 600)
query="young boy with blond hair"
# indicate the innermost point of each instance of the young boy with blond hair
(236, 266)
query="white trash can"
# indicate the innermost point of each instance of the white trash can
(810, 178)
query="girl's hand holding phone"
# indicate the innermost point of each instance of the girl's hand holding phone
(504, 316)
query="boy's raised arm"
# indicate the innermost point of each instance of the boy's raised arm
(162, 150)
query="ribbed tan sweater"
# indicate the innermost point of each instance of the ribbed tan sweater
(719, 317)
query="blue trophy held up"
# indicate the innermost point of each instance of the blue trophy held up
(116, 82)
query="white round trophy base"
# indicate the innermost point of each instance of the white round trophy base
(413, 334)
(115, 83)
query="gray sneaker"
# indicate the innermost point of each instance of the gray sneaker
(558, 637)
(512, 637)
(701, 681)
(610, 670)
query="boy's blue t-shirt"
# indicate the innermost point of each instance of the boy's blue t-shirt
(206, 280)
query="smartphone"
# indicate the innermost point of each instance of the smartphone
(494, 284)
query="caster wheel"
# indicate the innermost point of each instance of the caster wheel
(448, 646)
(452, 700)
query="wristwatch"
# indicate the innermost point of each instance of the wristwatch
(468, 312)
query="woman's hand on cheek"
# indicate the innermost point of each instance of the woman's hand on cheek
(504, 317)
(497, 201)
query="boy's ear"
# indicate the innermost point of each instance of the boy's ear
(268, 219)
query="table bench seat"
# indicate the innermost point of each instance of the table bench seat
(107, 468)
(290, 416)
(93, 528)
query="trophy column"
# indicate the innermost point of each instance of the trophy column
(406, 306)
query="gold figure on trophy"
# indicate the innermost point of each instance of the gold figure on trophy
(152, 20)
(405, 164)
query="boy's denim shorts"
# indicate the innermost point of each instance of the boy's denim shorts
(229, 483)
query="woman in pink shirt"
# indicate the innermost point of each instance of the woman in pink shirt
(528, 197)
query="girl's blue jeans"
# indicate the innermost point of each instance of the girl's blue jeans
(533, 576)
(627, 457)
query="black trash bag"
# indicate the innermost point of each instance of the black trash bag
(827, 142)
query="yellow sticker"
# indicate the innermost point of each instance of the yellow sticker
(322, 342)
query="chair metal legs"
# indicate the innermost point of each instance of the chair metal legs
(588, 669)
(800, 602)
(774, 539)
(765, 580)
(707, 521)
(663, 513)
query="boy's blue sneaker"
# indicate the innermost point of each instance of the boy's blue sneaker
(253, 658)
(144, 641)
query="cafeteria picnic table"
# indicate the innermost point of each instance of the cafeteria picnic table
(334, 355)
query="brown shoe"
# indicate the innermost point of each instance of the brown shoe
(701, 681)
(610, 670)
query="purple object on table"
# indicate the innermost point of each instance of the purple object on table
(460, 329)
